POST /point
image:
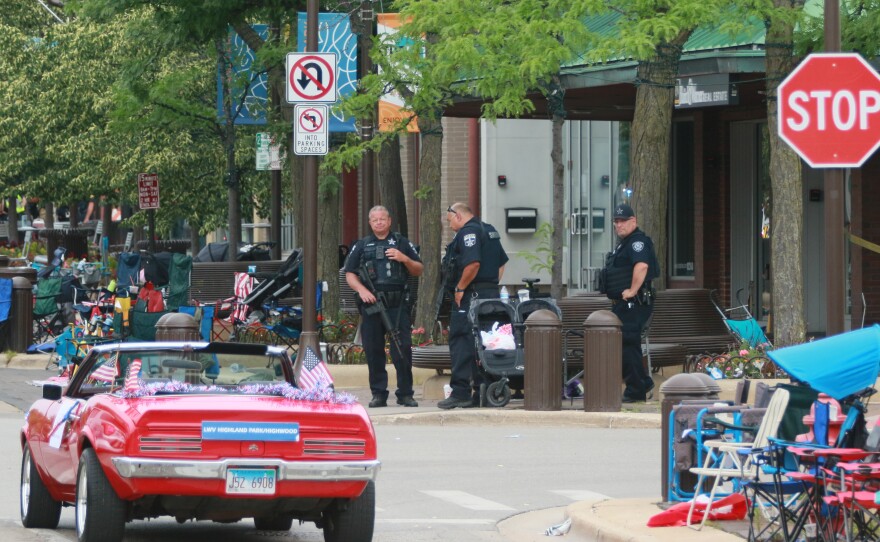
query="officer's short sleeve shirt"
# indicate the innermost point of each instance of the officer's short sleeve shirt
(469, 242)
(353, 261)
(639, 248)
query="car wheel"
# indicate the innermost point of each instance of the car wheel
(38, 509)
(352, 521)
(100, 513)
(273, 523)
(498, 394)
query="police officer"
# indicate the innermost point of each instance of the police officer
(474, 262)
(386, 259)
(628, 272)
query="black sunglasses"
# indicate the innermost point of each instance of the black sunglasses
(451, 210)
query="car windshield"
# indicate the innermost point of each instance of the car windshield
(143, 368)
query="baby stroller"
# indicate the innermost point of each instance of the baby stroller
(274, 285)
(743, 327)
(503, 367)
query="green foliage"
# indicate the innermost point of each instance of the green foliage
(542, 258)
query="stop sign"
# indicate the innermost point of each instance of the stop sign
(829, 110)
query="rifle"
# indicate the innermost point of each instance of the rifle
(380, 307)
(446, 268)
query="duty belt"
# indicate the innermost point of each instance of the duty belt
(482, 285)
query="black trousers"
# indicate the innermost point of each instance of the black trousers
(634, 320)
(466, 376)
(373, 338)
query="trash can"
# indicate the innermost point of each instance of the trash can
(680, 387)
(27, 272)
(21, 316)
(543, 361)
(603, 362)
(176, 326)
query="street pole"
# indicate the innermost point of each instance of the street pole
(275, 229)
(309, 336)
(834, 204)
(368, 160)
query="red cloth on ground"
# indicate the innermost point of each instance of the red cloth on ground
(730, 507)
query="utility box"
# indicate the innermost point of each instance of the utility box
(521, 220)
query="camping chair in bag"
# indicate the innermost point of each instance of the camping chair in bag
(732, 460)
(179, 273)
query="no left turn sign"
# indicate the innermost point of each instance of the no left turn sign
(311, 77)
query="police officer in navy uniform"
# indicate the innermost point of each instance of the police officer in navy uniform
(628, 273)
(389, 259)
(474, 262)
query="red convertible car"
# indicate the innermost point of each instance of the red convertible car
(196, 431)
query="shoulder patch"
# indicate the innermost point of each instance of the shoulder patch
(638, 246)
(470, 239)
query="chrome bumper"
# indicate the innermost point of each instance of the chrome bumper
(308, 471)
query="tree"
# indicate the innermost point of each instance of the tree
(787, 224)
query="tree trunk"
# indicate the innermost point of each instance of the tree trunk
(430, 216)
(328, 244)
(650, 144)
(391, 185)
(232, 185)
(786, 221)
(195, 244)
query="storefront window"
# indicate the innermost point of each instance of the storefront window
(681, 201)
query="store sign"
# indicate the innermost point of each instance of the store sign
(704, 91)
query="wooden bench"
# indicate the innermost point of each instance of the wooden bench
(214, 280)
(434, 357)
(684, 323)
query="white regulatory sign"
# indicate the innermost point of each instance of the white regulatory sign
(311, 77)
(310, 134)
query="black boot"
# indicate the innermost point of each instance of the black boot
(407, 400)
(379, 400)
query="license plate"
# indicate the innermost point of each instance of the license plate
(250, 481)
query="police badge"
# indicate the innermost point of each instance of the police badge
(638, 246)
(470, 239)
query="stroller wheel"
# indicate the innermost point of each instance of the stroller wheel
(498, 394)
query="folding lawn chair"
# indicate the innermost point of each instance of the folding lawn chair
(179, 273)
(48, 316)
(242, 287)
(128, 270)
(732, 459)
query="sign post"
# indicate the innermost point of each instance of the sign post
(148, 199)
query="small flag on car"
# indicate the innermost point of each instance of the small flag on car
(314, 373)
(132, 383)
(107, 372)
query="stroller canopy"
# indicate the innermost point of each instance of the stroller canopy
(838, 366)
(212, 252)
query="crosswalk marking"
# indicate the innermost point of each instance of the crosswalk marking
(467, 500)
(438, 521)
(579, 494)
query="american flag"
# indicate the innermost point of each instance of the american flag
(314, 373)
(107, 372)
(131, 380)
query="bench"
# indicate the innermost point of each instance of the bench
(211, 281)
(684, 323)
(434, 357)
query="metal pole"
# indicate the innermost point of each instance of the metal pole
(309, 336)
(275, 230)
(368, 194)
(834, 203)
(151, 226)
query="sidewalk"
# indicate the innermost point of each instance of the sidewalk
(611, 520)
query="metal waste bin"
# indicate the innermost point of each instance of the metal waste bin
(680, 387)
(176, 326)
(543, 357)
(21, 316)
(603, 362)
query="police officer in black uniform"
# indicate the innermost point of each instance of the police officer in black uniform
(388, 259)
(628, 273)
(474, 263)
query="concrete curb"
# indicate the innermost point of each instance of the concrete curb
(625, 520)
(509, 416)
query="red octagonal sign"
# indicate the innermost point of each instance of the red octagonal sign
(829, 110)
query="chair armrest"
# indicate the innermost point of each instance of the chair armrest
(728, 425)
